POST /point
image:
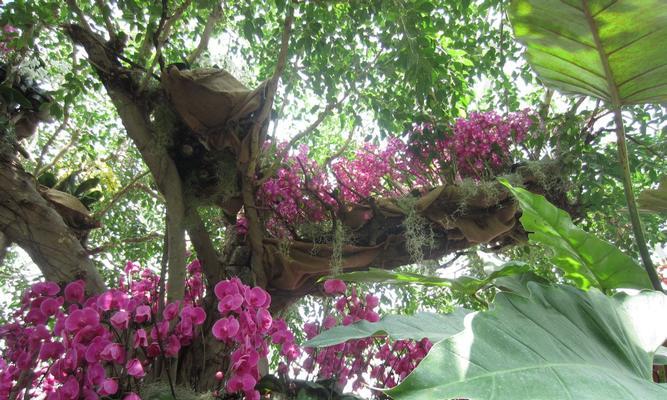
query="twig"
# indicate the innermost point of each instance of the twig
(109, 245)
(320, 117)
(157, 35)
(214, 17)
(52, 139)
(331, 106)
(248, 178)
(644, 146)
(342, 148)
(79, 14)
(61, 153)
(120, 194)
(106, 16)
(156, 195)
(451, 262)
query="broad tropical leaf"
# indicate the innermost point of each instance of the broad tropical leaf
(584, 258)
(559, 343)
(518, 284)
(660, 357)
(433, 326)
(463, 284)
(609, 49)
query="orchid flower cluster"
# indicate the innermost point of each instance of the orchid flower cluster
(480, 144)
(385, 362)
(298, 192)
(247, 328)
(302, 191)
(65, 346)
(389, 171)
(7, 34)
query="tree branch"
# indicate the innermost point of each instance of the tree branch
(79, 14)
(134, 114)
(644, 146)
(28, 220)
(106, 17)
(342, 148)
(330, 107)
(203, 245)
(52, 139)
(320, 118)
(119, 195)
(214, 17)
(110, 245)
(255, 229)
(4, 245)
(159, 37)
(61, 153)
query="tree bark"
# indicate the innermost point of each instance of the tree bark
(4, 246)
(134, 112)
(27, 220)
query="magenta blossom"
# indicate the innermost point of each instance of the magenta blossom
(108, 387)
(225, 328)
(334, 286)
(135, 368)
(142, 314)
(120, 320)
(113, 352)
(75, 291)
(79, 319)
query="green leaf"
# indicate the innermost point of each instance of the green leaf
(47, 179)
(67, 184)
(463, 284)
(433, 326)
(86, 186)
(518, 284)
(12, 95)
(660, 357)
(654, 200)
(561, 343)
(585, 259)
(609, 49)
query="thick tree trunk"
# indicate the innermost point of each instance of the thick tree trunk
(134, 111)
(28, 220)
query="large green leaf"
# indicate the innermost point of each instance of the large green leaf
(584, 258)
(660, 357)
(609, 49)
(559, 343)
(433, 326)
(462, 284)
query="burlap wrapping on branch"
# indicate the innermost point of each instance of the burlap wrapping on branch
(486, 220)
(209, 101)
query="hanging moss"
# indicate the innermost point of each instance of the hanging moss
(419, 234)
(488, 191)
(340, 238)
(546, 173)
(165, 123)
(284, 247)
